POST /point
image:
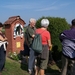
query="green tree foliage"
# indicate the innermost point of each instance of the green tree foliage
(56, 26)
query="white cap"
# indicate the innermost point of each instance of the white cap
(44, 22)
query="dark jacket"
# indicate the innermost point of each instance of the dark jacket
(28, 34)
(67, 38)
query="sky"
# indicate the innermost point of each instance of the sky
(27, 9)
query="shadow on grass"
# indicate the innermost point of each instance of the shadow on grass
(24, 67)
(51, 71)
(24, 63)
(59, 64)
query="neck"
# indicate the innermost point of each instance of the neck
(44, 28)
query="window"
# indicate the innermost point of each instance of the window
(18, 30)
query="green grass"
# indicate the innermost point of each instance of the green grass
(16, 68)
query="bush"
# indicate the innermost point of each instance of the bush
(14, 56)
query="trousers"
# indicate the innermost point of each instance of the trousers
(2, 58)
(31, 62)
(68, 66)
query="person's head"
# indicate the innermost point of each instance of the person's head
(1, 25)
(32, 22)
(44, 23)
(73, 22)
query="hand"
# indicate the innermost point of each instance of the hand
(51, 47)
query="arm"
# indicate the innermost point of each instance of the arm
(50, 45)
(3, 39)
(49, 41)
(31, 33)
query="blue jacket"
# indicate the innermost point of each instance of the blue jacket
(67, 38)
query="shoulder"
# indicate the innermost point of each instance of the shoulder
(67, 31)
(47, 32)
(38, 29)
(27, 28)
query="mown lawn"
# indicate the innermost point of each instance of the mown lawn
(16, 68)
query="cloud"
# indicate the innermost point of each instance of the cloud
(65, 4)
(31, 5)
(53, 6)
(48, 8)
(18, 6)
(36, 6)
(54, 3)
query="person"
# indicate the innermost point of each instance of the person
(3, 44)
(29, 35)
(67, 38)
(42, 59)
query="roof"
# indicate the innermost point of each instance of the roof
(12, 19)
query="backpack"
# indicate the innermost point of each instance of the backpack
(37, 44)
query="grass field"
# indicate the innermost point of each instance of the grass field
(16, 68)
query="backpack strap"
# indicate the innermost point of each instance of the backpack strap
(41, 32)
(2, 35)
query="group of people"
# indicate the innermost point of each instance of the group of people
(46, 44)
(67, 39)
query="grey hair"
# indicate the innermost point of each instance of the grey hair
(44, 22)
(32, 20)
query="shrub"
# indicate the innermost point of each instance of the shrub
(14, 56)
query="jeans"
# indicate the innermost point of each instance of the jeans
(2, 58)
(31, 62)
(65, 65)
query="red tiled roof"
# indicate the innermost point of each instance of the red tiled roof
(12, 19)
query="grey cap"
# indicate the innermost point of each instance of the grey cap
(44, 22)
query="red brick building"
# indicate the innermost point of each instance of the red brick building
(14, 32)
